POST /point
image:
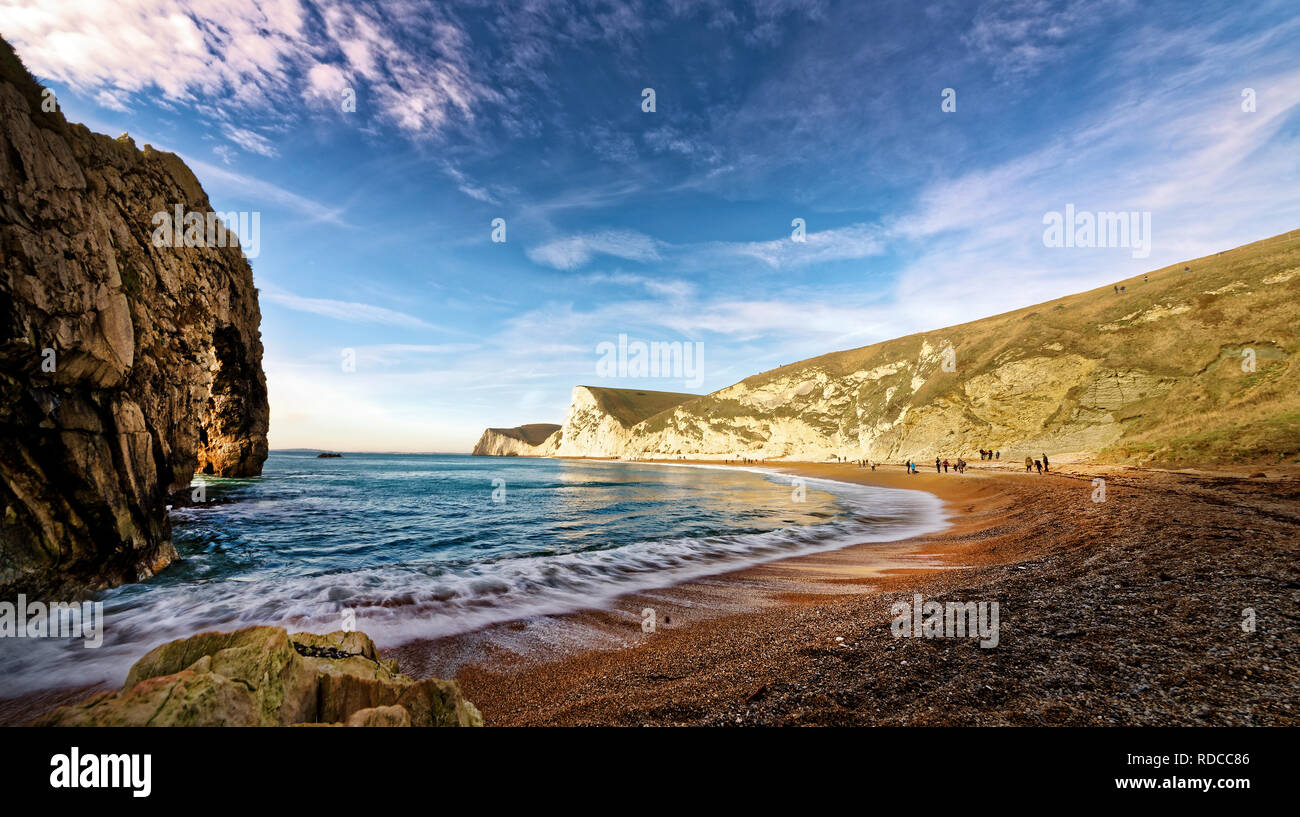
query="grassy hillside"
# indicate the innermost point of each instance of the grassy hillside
(532, 433)
(631, 406)
(1153, 374)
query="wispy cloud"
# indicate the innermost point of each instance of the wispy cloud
(855, 241)
(250, 141)
(576, 250)
(347, 311)
(412, 60)
(661, 286)
(255, 189)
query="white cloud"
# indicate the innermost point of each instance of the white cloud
(263, 55)
(838, 244)
(466, 186)
(575, 251)
(250, 141)
(665, 287)
(113, 99)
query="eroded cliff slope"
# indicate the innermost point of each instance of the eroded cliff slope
(1194, 363)
(600, 421)
(124, 367)
(521, 441)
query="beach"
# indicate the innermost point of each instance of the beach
(1128, 611)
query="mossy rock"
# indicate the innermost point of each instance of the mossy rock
(262, 676)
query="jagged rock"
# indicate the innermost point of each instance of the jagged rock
(262, 676)
(156, 351)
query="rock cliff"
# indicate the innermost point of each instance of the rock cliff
(1193, 363)
(602, 420)
(521, 441)
(125, 367)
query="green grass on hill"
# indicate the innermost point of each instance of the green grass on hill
(631, 406)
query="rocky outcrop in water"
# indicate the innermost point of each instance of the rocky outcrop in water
(125, 367)
(262, 676)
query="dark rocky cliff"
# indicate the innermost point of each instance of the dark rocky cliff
(156, 363)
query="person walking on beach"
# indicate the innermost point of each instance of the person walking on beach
(945, 466)
(937, 469)
(1039, 465)
(997, 455)
(1045, 468)
(1029, 463)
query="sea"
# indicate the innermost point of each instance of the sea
(422, 546)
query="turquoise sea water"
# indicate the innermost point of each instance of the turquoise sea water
(422, 546)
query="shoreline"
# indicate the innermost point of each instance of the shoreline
(781, 648)
(759, 644)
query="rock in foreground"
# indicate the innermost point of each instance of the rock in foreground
(262, 676)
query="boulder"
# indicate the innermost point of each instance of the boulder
(263, 676)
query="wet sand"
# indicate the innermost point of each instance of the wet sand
(1127, 611)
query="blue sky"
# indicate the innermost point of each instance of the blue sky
(676, 224)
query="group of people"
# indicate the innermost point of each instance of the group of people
(942, 468)
(942, 465)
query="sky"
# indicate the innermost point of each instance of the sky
(923, 146)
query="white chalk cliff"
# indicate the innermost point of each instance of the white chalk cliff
(1156, 372)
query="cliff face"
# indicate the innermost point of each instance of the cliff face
(602, 420)
(124, 367)
(522, 441)
(1195, 364)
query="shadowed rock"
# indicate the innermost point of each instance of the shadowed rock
(124, 366)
